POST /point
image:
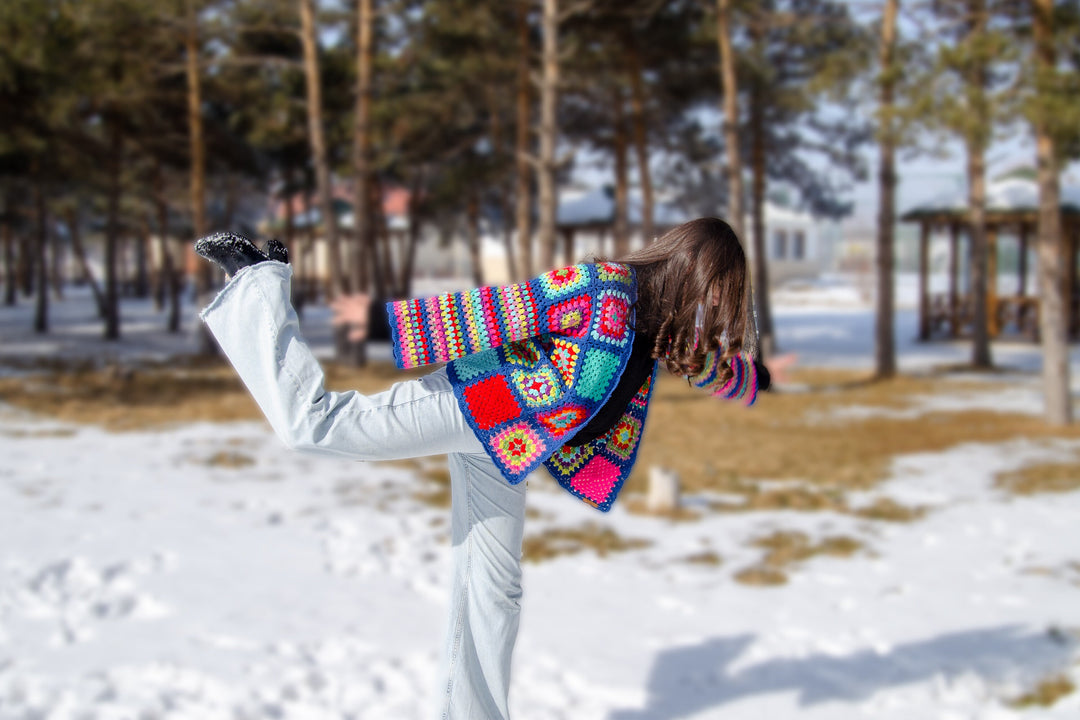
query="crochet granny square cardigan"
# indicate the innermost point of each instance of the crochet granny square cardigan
(531, 363)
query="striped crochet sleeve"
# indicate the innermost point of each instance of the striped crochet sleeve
(743, 384)
(452, 325)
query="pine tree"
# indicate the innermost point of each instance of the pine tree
(1053, 108)
(884, 345)
(799, 53)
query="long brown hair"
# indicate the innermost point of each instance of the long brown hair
(680, 270)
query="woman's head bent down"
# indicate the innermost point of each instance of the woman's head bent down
(692, 293)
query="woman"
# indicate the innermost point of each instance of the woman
(555, 371)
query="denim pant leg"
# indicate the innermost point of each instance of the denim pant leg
(487, 524)
(259, 332)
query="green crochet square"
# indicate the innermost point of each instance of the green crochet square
(477, 364)
(597, 374)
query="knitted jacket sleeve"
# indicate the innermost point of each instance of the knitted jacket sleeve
(743, 384)
(455, 324)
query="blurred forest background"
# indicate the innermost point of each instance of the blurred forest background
(349, 129)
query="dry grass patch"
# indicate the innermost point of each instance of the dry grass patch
(159, 395)
(558, 541)
(791, 498)
(51, 433)
(889, 510)
(439, 495)
(1046, 693)
(707, 557)
(637, 505)
(1041, 478)
(229, 459)
(1068, 572)
(788, 548)
(535, 514)
(724, 447)
(761, 576)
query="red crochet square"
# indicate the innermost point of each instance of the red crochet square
(491, 402)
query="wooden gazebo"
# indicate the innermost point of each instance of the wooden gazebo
(1011, 212)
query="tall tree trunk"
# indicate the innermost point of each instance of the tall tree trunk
(976, 150)
(198, 270)
(232, 191)
(296, 254)
(9, 252)
(318, 144)
(112, 232)
(472, 222)
(75, 232)
(731, 119)
(315, 281)
(761, 264)
(362, 148)
(26, 264)
(41, 308)
(885, 347)
(621, 225)
(158, 283)
(385, 284)
(523, 191)
(356, 352)
(641, 142)
(976, 169)
(56, 267)
(407, 263)
(549, 131)
(734, 170)
(168, 267)
(1052, 258)
(499, 155)
(142, 260)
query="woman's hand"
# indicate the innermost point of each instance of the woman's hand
(353, 310)
(778, 367)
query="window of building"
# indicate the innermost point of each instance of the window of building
(798, 245)
(779, 244)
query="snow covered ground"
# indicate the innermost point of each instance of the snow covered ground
(204, 572)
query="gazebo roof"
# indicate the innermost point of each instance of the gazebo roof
(1010, 198)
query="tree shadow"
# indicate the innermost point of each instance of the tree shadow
(688, 680)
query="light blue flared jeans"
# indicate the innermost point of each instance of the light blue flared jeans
(258, 330)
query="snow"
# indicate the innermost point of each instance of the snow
(139, 579)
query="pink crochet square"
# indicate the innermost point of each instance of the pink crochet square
(596, 479)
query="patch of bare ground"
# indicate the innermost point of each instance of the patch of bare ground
(724, 447)
(707, 557)
(437, 493)
(19, 433)
(558, 541)
(229, 459)
(1068, 572)
(160, 395)
(1045, 693)
(785, 549)
(637, 505)
(1041, 478)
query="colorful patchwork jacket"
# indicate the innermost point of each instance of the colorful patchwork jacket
(531, 363)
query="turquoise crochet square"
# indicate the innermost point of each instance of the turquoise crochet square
(477, 364)
(597, 373)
